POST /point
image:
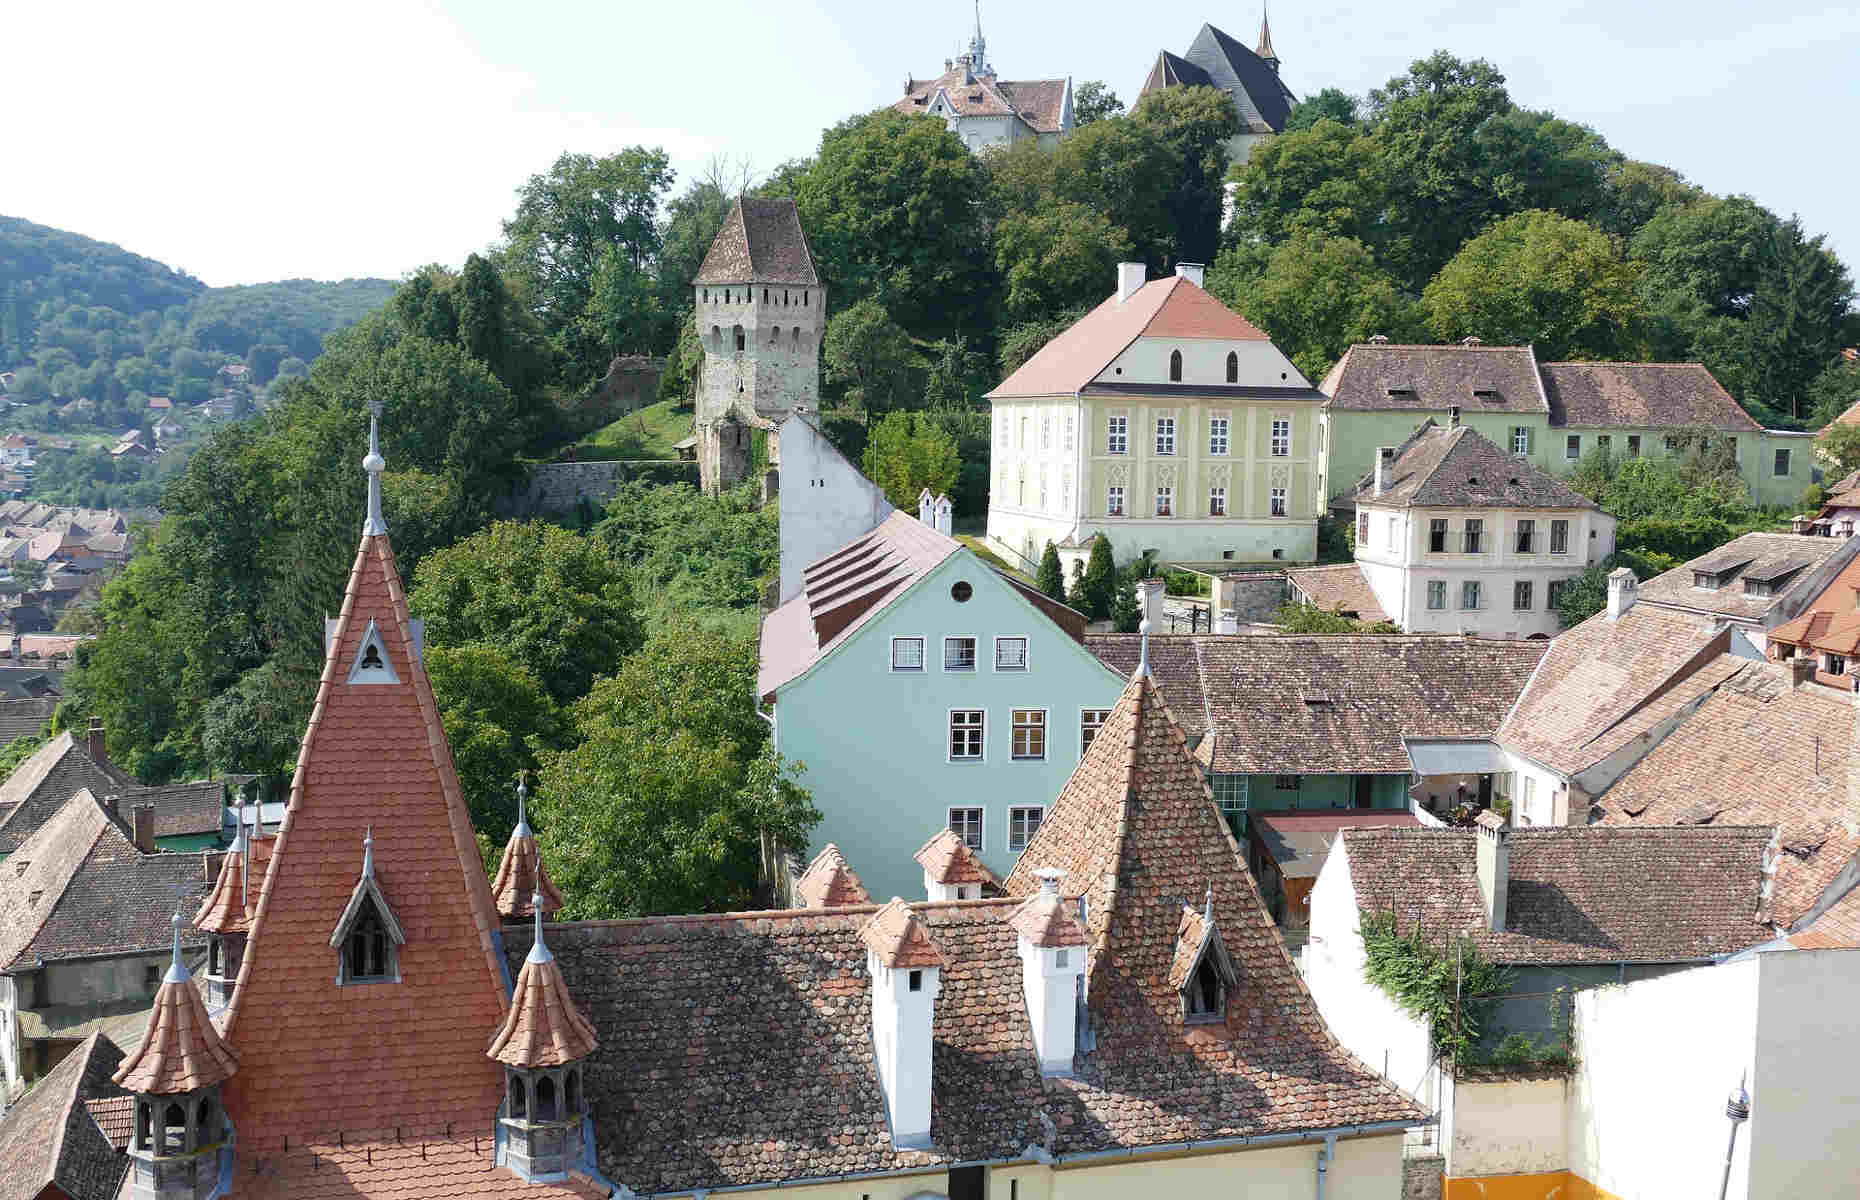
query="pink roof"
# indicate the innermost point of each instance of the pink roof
(1171, 307)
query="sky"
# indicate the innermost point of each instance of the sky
(250, 142)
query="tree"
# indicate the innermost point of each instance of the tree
(1331, 104)
(1330, 178)
(1838, 449)
(497, 716)
(257, 725)
(1098, 586)
(1126, 609)
(662, 804)
(1544, 279)
(1092, 101)
(1052, 578)
(1196, 123)
(1310, 619)
(867, 355)
(1021, 342)
(1057, 259)
(551, 598)
(1316, 297)
(1127, 171)
(1832, 392)
(954, 371)
(907, 453)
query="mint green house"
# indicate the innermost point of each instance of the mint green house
(921, 689)
(1550, 414)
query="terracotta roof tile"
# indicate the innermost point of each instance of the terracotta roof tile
(1458, 468)
(829, 882)
(1046, 920)
(1040, 103)
(1785, 562)
(1837, 928)
(1577, 895)
(49, 1145)
(1339, 589)
(182, 1049)
(761, 242)
(1404, 378)
(405, 1163)
(897, 937)
(521, 874)
(1641, 395)
(946, 858)
(543, 1027)
(228, 908)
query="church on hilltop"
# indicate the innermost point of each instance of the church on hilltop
(1251, 77)
(985, 110)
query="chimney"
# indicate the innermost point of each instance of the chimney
(926, 507)
(145, 828)
(1130, 277)
(1623, 590)
(1801, 668)
(906, 970)
(1385, 468)
(1150, 593)
(1494, 866)
(113, 804)
(1227, 622)
(945, 520)
(94, 741)
(1195, 273)
(1453, 416)
(1051, 944)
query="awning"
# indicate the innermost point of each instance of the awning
(1453, 756)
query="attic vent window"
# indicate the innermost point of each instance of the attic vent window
(1486, 394)
(961, 592)
(1207, 995)
(1317, 697)
(371, 657)
(371, 660)
(1401, 392)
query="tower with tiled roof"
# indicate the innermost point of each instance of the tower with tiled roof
(541, 1045)
(225, 915)
(175, 1076)
(522, 880)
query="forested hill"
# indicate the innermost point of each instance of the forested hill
(82, 318)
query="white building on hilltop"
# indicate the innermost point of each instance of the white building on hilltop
(985, 110)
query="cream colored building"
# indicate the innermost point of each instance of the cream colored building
(1164, 421)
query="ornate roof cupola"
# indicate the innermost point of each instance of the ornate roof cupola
(175, 1075)
(226, 914)
(520, 873)
(541, 1044)
(1265, 51)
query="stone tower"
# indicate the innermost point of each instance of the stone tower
(760, 314)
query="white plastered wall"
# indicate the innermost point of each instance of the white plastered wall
(1506, 1127)
(1804, 1133)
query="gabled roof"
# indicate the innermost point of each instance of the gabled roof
(761, 242)
(38, 787)
(1171, 307)
(1217, 60)
(1389, 377)
(1268, 704)
(1038, 103)
(24, 718)
(1136, 831)
(1460, 468)
(49, 1145)
(1172, 70)
(830, 882)
(1783, 561)
(1048, 920)
(1595, 894)
(1641, 395)
(184, 809)
(946, 858)
(1339, 589)
(1756, 752)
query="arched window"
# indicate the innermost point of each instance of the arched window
(545, 1099)
(803, 299)
(775, 335)
(1207, 993)
(571, 1104)
(173, 1130)
(519, 1106)
(784, 297)
(765, 295)
(1233, 367)
(1175, 366)
(716, 339)
(707, 295)
(739, 339)
(795, 337)
(366, 949)
(726, 295)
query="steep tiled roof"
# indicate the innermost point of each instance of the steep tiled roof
(543, 1027)
(1755, 752)
(24, 718)
(1782, 561)
(182, 1049)
(1170, 307)
(1172, 70)
(1040, 103)
(1641, 395)
(1594, 894)
(185, 809)
(521, 875)
(761, 242)
(49, 1146)
(316, 1059)
(1602, 673)
(1837, 928)
(897, 937)
(844, 590)
(407, 1161)
(38, 787)
(1400, 378)
(1046, 919)
(80, 887)
(946, 858)
(830, 882)
(1821, 629)
(1217, 60)
(228, 908)
(1459, 468)
(1136, 831)
(1326, 705)
(1339, 588)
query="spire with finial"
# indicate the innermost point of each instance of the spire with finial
(539, 952)
(1143, 662)
(1265, 50)
(368, 853)
(523, 818)
(177, 970)
(978, 46)
(1207, 905)
(520, 873)
(374, 464)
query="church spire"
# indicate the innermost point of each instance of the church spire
(374, 464)
(1265, 50)
(978, 46)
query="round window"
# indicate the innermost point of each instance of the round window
(961, 591)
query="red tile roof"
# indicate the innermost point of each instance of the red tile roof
(228, 908)
(543, 1027)
(1339, 589)
(946, 858)
(1040, 103)
(405, 1163)
(181, 1050)
(521, 875)
(761, 242)
(897, 938)
(830, 882)
(1836, 929)
(316, 1059)
(1456, 467)
(1389, 377)
(1046, 920)
(1784, 561)
(1641, 395)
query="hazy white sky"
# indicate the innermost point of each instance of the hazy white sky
(245, 142)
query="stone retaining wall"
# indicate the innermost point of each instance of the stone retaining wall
(560, 487)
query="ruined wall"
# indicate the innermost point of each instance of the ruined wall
(560, 487)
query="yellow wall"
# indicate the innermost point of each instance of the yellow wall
(1550, 1185)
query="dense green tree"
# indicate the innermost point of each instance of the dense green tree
(1327, 179)
(1315, 297)
(497, 716)
(1056, 259)
(710, 555)
(1196, 123)
(692, 221)
(867, 356)
(1541, 278)
(663, 803)
(907, 453)
(1051, 579)
(1838, 451)
(1331, 104)
(1832, 392)
(955, 370)
(1131, 170)
(552, 598)
(1021, 342)
(1636, 191)
(1094, 101)
(257, 725)
(1798, 321)
(1098, 586)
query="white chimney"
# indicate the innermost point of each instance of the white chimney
(1130, 277)
(1623, 590)
(1052, 957)
(945, 518)
(906, 975)
(1494, 864)
(1227, 622)
(1150, 594)
(1385, 468)
(926, 507)
(1193, 272)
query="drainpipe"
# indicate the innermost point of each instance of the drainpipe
(1326, 1153)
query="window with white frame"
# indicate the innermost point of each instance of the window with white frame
(1010, 654)
(1521, 596)
(1394, 534)
(1046, 433)
(1469, 594)
(1436, 594)
(1437, 535)
(1042, 489)
(907, 654)
(1362, 529)
(1165, 435)
(967, 822)
(1114, 501)
(1117, 435)
(1165, 500)
(1065, 491)
(1229, 792)
(1217, 435)
(966, 727)
(1572, 447)
(1475, 529)
(1554, 593)
(958, 654)
(1023, 822)
(1217, 502)
(1276, 498)
(1527, 536)
(1029, 736)
(1023, 433)
(1559, 537)
(1069, 422)
(1281, 437)
(1520, 440)
(1091, 720)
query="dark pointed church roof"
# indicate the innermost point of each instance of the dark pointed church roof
(761, 242)
(1263, 101)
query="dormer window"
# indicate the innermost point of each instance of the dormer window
(1203, 973)
(1206, 999)
(368, 953)
(1706, 580)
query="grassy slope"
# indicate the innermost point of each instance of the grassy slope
(650, 432)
